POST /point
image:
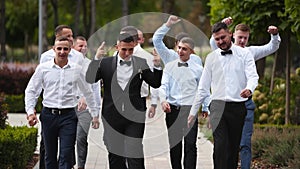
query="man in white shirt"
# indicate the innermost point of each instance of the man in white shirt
(60, 79)
(178, 87)
(84, 117)
(230, 74)
(74, 56)
(241, 37)
(167, 55)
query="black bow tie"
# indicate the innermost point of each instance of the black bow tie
(226, 52)
(182, 64)
(122, 62)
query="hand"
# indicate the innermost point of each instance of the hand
(95, 122)
(227, 20)
(152, 111)
(172, 20)
(82, 104)
(204, 114)
(32, 119)
(156, 60)
(246, 93)
(166, 107)
(273, 30)
(190, 120)
(100, 51)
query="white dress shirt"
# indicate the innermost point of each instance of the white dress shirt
(124, 72)
(179, 84)
(76, 57)
(226, 76)
(60, 87)
(168, 55)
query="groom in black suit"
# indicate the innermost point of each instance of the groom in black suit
(123, 110)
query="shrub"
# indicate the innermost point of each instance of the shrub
(3, 111)
(17, 145)
(277, 145)
(270, 108)
(18, 76)
(16, 103)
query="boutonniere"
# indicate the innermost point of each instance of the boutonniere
(140, 72)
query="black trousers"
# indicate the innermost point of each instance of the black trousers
(227, 120)
(176, 122)
(123, 140)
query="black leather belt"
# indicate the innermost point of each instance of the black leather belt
(250, 97)
(57, 111)
(175, 107)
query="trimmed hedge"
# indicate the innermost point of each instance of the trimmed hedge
(17, 145)
(16, 103)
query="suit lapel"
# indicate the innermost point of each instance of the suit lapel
(114, 63)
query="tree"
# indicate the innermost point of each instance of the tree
(21, 24)
(292, 11)
(93, 17)
(2, 32)
(44, 25)
(125, 12)
(77, 18)
(54, 4)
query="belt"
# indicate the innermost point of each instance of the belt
(57, 111)
(249, 98)
(175, 107)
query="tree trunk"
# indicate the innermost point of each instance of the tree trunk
(168, 6)
(85, 19)
(2, 32)
(26, 46)
(55, 11)
(260, 65)
(93, 17)
(125, 12)
(77, 18)
(273, 74)
(287, 81)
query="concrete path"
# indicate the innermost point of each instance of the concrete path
(155, 145)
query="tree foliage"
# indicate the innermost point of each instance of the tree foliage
(258, 14)
(292, 12)
(21, 21)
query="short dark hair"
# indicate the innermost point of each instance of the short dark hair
(63, 38)
(181, 35)
(126, 37)
(219, 26)
(133, 31)
(80, 38)
(59, 29)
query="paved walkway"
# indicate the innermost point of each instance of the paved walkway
(155, 144)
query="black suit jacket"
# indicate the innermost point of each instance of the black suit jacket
(118, 104)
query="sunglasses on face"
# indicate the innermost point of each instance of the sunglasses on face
(62, 48)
